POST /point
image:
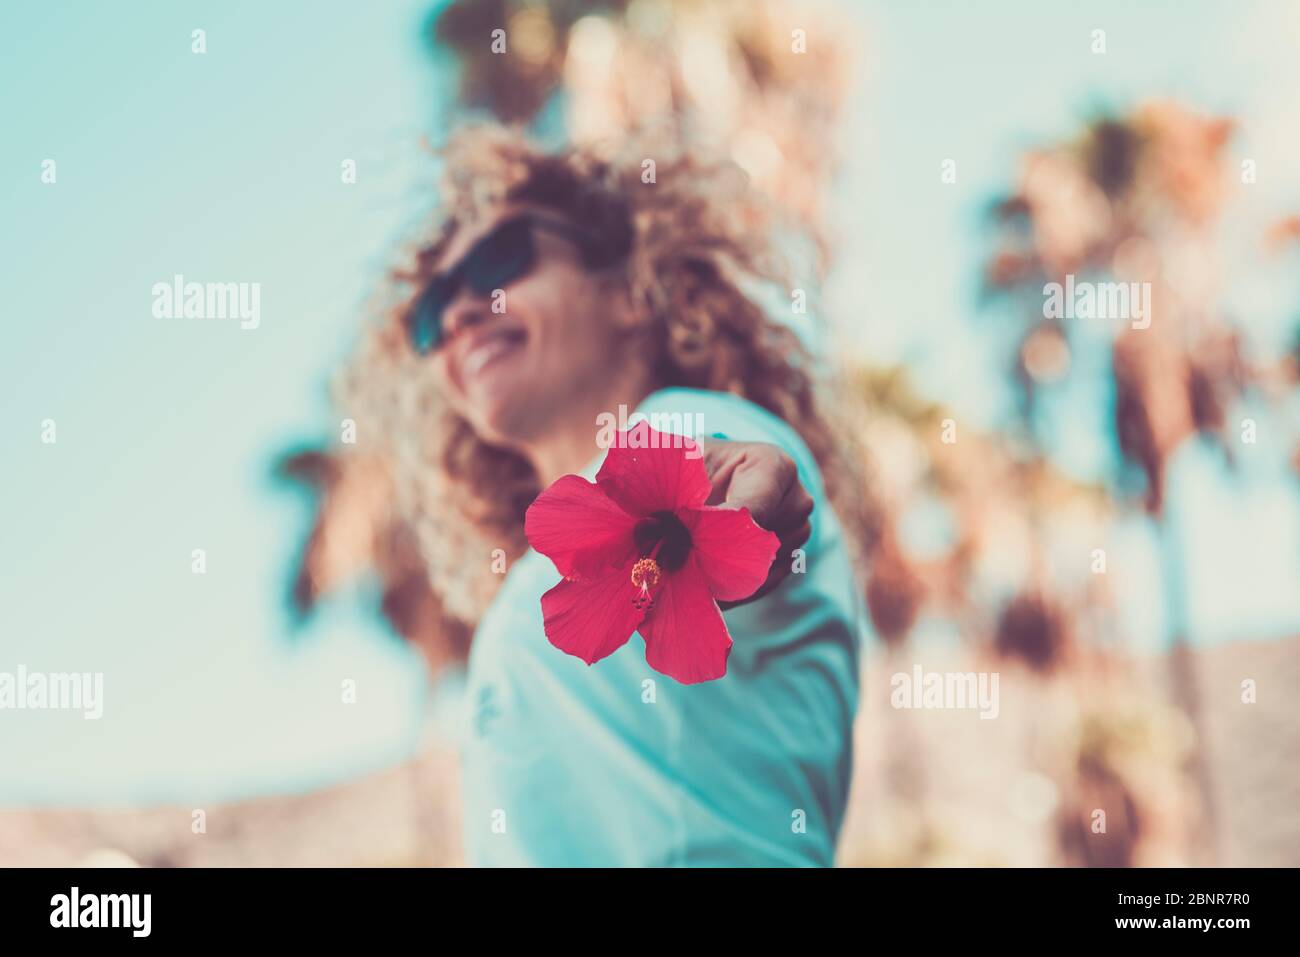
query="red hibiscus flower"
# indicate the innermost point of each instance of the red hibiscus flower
(640, 551)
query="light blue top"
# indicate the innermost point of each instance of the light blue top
(613, 764)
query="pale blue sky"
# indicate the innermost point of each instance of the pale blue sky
(225, 166)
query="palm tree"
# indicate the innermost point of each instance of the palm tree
(1136, 198)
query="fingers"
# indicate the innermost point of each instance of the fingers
(790, 517)
(766, 481)
(783, 564)
(794, 539)
(795, 516)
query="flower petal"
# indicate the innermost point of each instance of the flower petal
(648, 471)
(685, 636)
(578, 527)
(734, 555)
(591, 617)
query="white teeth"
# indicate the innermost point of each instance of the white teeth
(481, 355)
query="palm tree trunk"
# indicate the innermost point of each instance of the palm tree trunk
(1187, 692)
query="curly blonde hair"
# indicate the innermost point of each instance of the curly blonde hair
(696, 236)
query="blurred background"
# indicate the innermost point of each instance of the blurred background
(1116, 530)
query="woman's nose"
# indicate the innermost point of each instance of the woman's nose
(466, 310)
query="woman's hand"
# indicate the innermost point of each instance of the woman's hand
(763, 479)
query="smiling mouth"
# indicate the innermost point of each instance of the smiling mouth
(492, 349)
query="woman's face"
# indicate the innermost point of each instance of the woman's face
(526, 359)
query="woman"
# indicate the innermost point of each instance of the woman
(559, 289)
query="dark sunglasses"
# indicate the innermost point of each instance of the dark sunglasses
(504, 255)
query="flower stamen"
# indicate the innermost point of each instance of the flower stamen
(646, 574)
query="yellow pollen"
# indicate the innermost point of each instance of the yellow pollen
(646, 574)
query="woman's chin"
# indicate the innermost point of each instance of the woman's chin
(506, 417)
